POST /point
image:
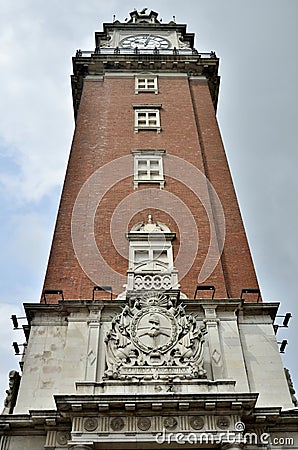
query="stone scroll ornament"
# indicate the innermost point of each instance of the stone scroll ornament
(153, 339)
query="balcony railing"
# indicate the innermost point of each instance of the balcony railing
(136, 51)
(152, 280)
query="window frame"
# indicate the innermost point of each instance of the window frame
(149, 176)
(146, 78)
(152, 264)
(146, 110)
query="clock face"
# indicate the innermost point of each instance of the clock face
(145, 41)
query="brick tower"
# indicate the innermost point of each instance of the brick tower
(145, 119)
(150, 328)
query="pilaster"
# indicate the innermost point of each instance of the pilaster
(211, 321)
(93, 344)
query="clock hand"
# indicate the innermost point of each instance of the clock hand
(147, 40)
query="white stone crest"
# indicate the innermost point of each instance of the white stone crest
(153, 339)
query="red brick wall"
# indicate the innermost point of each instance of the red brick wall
(105, 132)
(236, 259)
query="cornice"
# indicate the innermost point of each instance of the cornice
(86, 64)
(69, 405)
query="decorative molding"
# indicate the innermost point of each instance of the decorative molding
(140, 73)
(80, 447)
(223, 422)
(113, 425)
(170, 423)
(4, 442)
(51, 439)
(62, 437)
(146, 105)
(90, 424)
(117, 424)
(147, 281)
(196, 422)
(144, 423)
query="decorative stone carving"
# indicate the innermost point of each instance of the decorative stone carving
(216, 356)
(291, 387)
(196, 422)
(150, 227)
(11, 392)
(105, 42)
(117, 424)
(149, 282)
(170, 423)
(91, 424)
(223, 422)
(62, 437)
(182, 43)
(144, 423)
(152, 338)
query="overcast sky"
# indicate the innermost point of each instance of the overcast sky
(256, 42)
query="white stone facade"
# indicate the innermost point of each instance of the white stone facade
(67, 347)
(67, 400)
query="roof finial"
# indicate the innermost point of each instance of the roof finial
(143, 11)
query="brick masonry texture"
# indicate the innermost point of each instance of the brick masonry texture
(104, 132)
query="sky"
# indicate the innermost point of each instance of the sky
(257, 113)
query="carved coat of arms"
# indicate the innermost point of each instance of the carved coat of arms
(153, 338)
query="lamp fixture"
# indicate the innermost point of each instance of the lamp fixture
(16, 347)
(285, 322)
(102, 288)
(204, 288)
(52, 292)
(15, 322)
(283, 345)
(251, 291)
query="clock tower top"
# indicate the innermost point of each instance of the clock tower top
(146, 22)
(142, 43)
